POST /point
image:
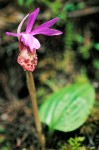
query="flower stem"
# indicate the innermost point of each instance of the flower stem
(32, 92)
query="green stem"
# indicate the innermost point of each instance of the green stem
(32, 92)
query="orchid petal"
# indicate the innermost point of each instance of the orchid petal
(12, 34)
(49, 32)
(21, 23)
(27, 59)
(31, 20)
(45, 25)
(30, 41)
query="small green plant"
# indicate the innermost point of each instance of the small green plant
(25, 2)
(54, 6)
(68, 39)
(63, 147)
(75, 143)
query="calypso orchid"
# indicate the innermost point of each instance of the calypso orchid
(28, 44)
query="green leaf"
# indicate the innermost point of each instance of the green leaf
(96, 46)
(81, 5)
(68, 109)
(79, 38)
(20, 2)
(28, 2)
(2, 129)
(69, 7)
(4, 148)
(96, 63)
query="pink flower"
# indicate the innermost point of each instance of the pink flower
(28, 44)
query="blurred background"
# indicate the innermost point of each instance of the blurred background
(61, 60)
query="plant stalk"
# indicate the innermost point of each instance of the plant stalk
(32, 92)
